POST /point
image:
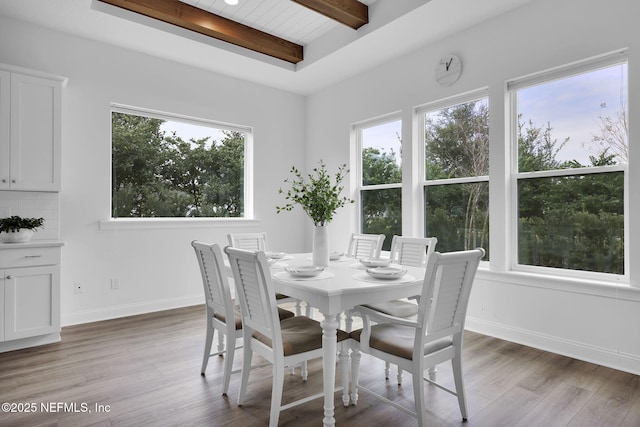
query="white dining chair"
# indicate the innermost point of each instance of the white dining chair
(258, 242)
(363, 246)
(286, 343)
(434, 337)
(223, 315)
(413, 251)
(249, 241)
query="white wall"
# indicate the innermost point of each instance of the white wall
(595, 322)
(156, 267)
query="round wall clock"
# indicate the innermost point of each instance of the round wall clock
(448, 70)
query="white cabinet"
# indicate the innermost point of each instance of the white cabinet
(30, 136)
(30, 295)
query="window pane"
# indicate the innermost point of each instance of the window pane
(382, 213)
(457, 141)
(574, 222)
(458, 215)
(574, 122)
(165, 169)
(381, 154)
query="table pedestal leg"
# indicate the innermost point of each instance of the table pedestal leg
(329, 348)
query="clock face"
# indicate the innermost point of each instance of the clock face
(448, 70)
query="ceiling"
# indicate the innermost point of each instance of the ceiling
(332, 51)
(282, 18)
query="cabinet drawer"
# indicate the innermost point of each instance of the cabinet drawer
(28, 257)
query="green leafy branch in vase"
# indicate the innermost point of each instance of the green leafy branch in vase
(315, 193)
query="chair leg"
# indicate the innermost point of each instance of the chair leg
(387, 370)
(246, 369)
(344, 367)
(228, 362)
(207, 347)
(418, 396)
(304, 372)
(456, 364)
(399, 376)
(276, 393)
(220, 344)
(355, 373)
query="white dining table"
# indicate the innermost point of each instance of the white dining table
(340, 287)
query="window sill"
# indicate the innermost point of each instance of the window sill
(608, 289)
(165, 223)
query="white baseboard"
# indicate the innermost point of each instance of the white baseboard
(29, 342)
(88, 316)
(601, 356)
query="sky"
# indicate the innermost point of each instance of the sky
(188, 131)
(572, 107)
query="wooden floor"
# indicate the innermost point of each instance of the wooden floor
(145, 371)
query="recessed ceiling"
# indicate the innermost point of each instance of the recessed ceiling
(282, 18)
(332, 51)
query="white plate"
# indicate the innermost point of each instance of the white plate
(275, 255)
(304, 270)
(334, 256)
(386, 272)
(375, 262)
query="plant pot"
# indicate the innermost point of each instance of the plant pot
(20, 236)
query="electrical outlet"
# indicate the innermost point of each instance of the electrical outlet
(115, 283)
(77, 288)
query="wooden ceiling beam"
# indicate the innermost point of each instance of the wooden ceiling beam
(191, 18)
(351, 13)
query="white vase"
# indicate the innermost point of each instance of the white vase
(321, 246)
(20, 236)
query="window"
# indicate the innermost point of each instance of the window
(381, 177)
(570, 127)
(167, 166)
(456, 169)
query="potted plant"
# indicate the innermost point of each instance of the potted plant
(320, 198)
(15, 229)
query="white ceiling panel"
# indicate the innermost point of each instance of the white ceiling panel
(282, 18)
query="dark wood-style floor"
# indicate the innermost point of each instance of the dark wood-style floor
(145, 371)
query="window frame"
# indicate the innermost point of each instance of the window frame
(554, 74)
(158, 222)
(357, 129)
(419, 114)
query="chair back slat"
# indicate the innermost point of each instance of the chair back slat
(217, 291)
(365, 245)
(249, 241)
(448, 281)
(413, 251)
(255, 291)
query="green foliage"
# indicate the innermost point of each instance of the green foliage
(457, 146)
(573, 222)
(381, 208)
(160, 175)
(316, 194)
(382, 213)
(15, 223)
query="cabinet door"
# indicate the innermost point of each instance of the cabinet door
(2, 305)
(31, 301)
(5, 114)
(35, 133)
